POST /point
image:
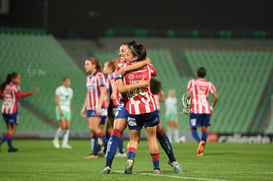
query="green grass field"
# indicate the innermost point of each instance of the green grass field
(38, 160)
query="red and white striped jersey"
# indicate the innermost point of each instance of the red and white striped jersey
(10, 95)
(93, 84)
(157, 98)
(200, 89)
(140, 101)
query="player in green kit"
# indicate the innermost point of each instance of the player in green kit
(63, 101)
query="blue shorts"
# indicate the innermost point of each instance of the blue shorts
(11, 118)
(103, 119)
(198, 120)
(136, 122)
(121, 112)
(93, 113)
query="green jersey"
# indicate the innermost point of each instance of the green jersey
(65, 96)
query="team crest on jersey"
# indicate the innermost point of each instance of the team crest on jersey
(131, 76)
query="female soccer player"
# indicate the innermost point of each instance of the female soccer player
(141, 107)
(93, 104)
(171, 116)
(113, 97)
(10, 92)
(63, 101)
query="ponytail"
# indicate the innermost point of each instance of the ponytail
(8, 80)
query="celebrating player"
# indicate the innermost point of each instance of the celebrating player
(161, 135)
(10, 92)
(94, 102)
(200, 111)
(171, 116)
(141, 107)
(63, 101)
(113, 97)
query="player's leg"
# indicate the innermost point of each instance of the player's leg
(93, 123)
(194, 125)
(59, 131)
(131, 150)
(5, 135)
(167, 147)
(170, 130)
(118, 128)
(67, 123)
(12, 131)
(103, 137)
(205, 122)
(153, 147)
(175, 126)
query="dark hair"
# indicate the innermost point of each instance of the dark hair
(130, 43)
(155, 86)
(201, 72)
(95, 61)
(64, 79)
(8, 80)
(138, 50)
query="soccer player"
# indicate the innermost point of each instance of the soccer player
(161, 135)
(113, 97)
(94, 102)
(63, 101)
(141, 107)
(10, 92)
(171, 116)
(200, 111)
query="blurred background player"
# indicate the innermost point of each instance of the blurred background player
(63, 101)
(113, 97)
(200, 112)
(171, 116)
(10, 92)
(94, 103)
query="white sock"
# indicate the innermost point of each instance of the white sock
(65, 137)
(57, 134)
(92, 142)
(176, 135)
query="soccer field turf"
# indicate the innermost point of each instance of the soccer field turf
(38, 160)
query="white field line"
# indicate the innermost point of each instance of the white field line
(174, 176)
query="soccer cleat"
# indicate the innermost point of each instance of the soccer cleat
(199, 154)
(56, 143)
(120, 155)
(11, 149)
(201, 147)
(106, 170)
(91, 156)
(129, 166)
(176, 167)
(156, 171)
(66, 146)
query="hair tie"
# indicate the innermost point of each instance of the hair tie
(92, 60)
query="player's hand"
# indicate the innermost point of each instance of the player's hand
(35, 90)
(186, 111)
(61, 112)
(144, 83)
(83, 113)
(113, 96)
(211, 112)
(122, 71)
(98, 111)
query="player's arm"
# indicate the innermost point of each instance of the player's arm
(161, 97)
(135, 66)
(214, 101)
(84, 106)
(22, 95)
(57, 101)
(128, 88)
(102, 90)
(114, 90)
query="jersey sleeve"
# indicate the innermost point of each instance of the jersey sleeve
(212, 88)
(101, 80)
(153, 71)
(112, 76)
(117, 75)
(58, 92)
(22, 95)
(189, 87)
